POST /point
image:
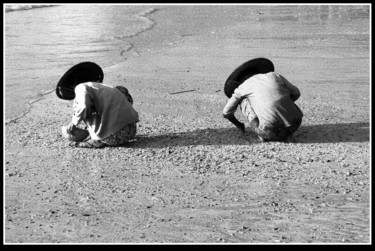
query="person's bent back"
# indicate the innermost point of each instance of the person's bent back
(267, 101)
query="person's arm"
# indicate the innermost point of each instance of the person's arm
(82, 105)
(294, 91)
(238, 124)
(229, 110)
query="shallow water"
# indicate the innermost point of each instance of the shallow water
(42, 43)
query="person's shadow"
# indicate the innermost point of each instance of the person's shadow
(334, 133)
(325, 133)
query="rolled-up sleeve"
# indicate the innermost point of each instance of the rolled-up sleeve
(82, 104)
(232, 104)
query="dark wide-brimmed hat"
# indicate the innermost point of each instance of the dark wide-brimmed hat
(80, 73)
(245, 71)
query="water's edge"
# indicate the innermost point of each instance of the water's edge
(143, 14)
(23, 7)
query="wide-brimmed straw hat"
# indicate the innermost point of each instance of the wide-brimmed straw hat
(80, 73)
(245, 71)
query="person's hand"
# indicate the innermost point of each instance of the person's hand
(234, 120)
(70, 128)
(241, 127)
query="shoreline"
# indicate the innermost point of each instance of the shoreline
(190, 176)
(40, 96)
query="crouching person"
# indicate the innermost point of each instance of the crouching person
(267, 102)
(106, 111)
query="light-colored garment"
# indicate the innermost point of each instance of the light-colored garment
(271, 97)
(103, 108)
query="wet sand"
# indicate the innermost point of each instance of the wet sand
(190, 176)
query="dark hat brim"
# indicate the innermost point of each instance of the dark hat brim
(245, 71)
(80, 73)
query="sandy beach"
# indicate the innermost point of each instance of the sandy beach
(190, 176)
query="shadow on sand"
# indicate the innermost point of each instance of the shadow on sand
(334, 133)
(326, 133)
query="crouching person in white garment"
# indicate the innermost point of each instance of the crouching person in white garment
(267, 101)
(106, 111)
